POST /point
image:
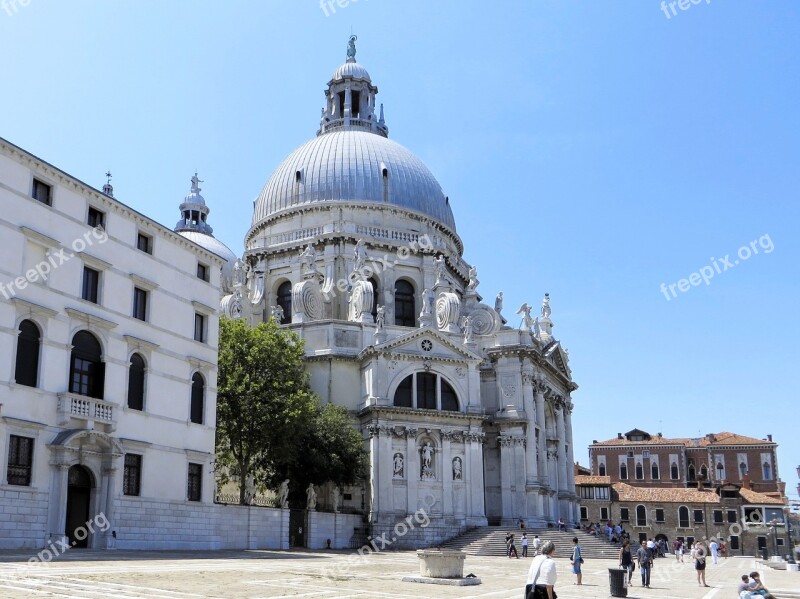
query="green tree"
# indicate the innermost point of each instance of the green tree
(269, 423)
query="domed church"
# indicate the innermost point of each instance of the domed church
(353, 246)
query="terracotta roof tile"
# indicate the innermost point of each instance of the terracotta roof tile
(755, 497)
(626, 492)
(724, 438)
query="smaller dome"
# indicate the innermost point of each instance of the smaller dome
(215, 246)
(194, 197)
(353, 70)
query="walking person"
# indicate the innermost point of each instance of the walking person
(576, 560)
(511, 547)
(626, 560)
(645, 559)
(700, 564)
(677, 547)
(714, 551)
(524, 544)
(542, 574)
(537, 544)
(509, 536)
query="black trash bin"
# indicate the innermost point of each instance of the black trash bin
(765, 554)
(616, 580)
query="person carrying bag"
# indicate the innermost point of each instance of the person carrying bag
(542, 575)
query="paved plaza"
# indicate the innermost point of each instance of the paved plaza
(273, 574)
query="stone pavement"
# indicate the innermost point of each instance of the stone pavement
(81, 574)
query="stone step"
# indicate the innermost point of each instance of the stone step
(490, 541)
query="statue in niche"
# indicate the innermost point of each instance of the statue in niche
(380, 317)
(457, 469)
(283, 494)
(473, 279)
(335, 501)
(498, 303)
(466, 326)
(398, 465)
(311, 497)
(427, 460)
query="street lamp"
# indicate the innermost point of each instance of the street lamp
(787, 513)
(773, 526)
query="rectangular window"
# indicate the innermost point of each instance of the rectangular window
(584, 513)
(202, 272)
(645, 453)
(139, 303)
(144, 243)
(624, 514)
(347, 496)
(734, 542)
(719, 517)
(698, 517)
(779, 540)
(659, 515)
(195, 482)
(587, 492)
(689, 541)
(601, 492)
(132, 477)
(732, 517)
(91, 284)
(42, 192)
(604, 513)
(20, 460)
(199, 328)
(96, 218)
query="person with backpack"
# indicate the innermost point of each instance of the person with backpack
(576, 560)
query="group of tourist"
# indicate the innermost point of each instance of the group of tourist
(511, 548)
(751, 587)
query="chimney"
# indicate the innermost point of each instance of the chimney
(700, 485)
(619, 436)
(769, 438)
(711, 437)
(746, 481)
(594, 441)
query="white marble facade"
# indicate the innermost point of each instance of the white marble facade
(353, 245)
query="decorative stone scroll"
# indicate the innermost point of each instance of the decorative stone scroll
(231, 305)
(448, 309)
(362, 298)
(307, 302)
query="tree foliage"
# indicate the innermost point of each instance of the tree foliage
(269, 423)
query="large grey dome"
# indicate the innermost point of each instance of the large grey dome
(353, 166)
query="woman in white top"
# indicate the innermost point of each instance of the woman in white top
(542, 574)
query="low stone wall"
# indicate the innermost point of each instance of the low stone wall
(163, 525)
(23, 518)
(336, 527)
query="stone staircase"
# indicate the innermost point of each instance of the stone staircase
(490, 540)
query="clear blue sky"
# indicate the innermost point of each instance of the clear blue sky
(593, 150)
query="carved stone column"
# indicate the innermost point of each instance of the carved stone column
(476, 507)
(531, 467)
(562, 454)
(412, 469)
(506, 476)
(446, 468)
(59, 477)
(541, 446)
(374, 470)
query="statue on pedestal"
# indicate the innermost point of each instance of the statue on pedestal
(498, 303)
(311, 497)
(473, 279)
(336, 500)
(283, 494)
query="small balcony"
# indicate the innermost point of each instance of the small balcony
(90, 410)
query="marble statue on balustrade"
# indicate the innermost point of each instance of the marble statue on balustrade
(473, 279)
(311, 497)
(335, 500)
(498, 303)
(283, 494)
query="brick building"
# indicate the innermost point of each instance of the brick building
(721, 485)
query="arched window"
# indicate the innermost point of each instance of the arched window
(683, 517)
(285, 301)
(623, 471)
(426, 391)
(404, 307)
(767, 471)
(654, 473)
(742, 469)
(673, 471)
(639, 471)
(27, 364)
(136, 383)
(86, 366)
(198, 396)
(703, 472)
(404, 395)
(375, 298)
(449, 398)
(690, 474)
(641, 515)
(601, 469)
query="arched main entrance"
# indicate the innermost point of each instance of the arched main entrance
(79, 495)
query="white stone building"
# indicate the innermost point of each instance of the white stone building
(108, 353)
(354, 246)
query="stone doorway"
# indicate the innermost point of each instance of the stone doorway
(298, 527)
(79, 496)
